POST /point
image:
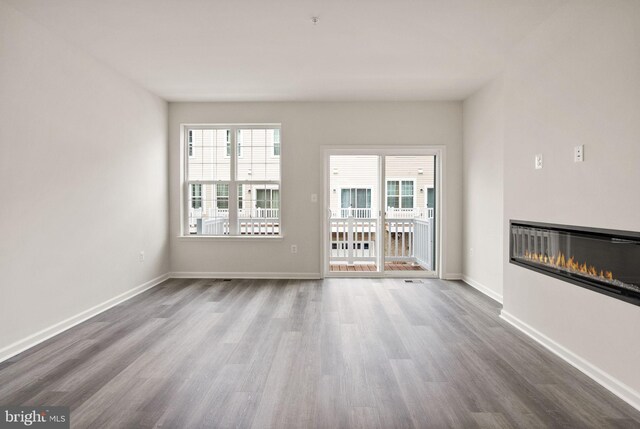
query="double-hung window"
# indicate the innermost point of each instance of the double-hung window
(355, 202)
(276, 142)
(222, 196)
(196, 196)
(232, 180)
(238, 146)
(400, 194)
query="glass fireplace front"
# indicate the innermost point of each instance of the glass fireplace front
(607, 261)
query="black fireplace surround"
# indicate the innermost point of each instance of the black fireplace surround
(603, 260)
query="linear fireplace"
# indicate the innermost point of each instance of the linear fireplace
(603, 260)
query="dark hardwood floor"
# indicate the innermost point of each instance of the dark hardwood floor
(361, 353)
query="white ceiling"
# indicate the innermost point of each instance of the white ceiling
(254, 50)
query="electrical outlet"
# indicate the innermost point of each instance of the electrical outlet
(578, 153)
(314, 198)
(141, 256)
(471, 251)
(538, 163)
(294, 248)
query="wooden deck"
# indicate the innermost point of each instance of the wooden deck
(388, 266)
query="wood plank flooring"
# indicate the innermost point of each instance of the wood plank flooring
(358, 353)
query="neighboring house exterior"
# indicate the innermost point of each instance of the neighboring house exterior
(353, 179)
(410, 185)
(209, 159)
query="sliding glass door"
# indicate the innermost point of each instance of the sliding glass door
(409, 213)
(354, 217)
(381, 213)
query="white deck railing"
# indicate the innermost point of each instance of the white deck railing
(242, 213)
(258, 213)
(246, 226)
(353, 239)
(399, 239)
(215, 226)
(259, 226)
(406, 239)
(423, 242)
(351, 212)
(392, 213)
(251, 221)
(413, 213)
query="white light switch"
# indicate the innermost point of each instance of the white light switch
(538, 161)
(578, 153)
(314, 198)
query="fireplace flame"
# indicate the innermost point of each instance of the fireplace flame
(571, 264)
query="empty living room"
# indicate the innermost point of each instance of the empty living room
(320, 214)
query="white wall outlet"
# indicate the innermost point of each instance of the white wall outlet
(141, 256)
(294, 248)
(578, 153)
(471, 251)
(538, 163)
(314, 198)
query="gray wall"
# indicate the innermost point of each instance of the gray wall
(83, 182)
(483, 189)
(575, 80)
(305, 128)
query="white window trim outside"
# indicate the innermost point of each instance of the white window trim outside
(342, 213)
(196, 195)
(190, 145)
(270, 200)
(399, 180)
(216, 196)
(233, 188)
(239, 146)
(272, 154)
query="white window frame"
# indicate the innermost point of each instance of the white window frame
(190, 144)
(400, 180)
(227, 148)
(270, 199)
(366, 188)
(217, 196)
(234, 210)
(195, 195)
(273, 151)
(357, 188)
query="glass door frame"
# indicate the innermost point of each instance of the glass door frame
(439, 151)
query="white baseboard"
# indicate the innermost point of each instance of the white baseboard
(482, 288)
(43, 335)
(617, 387)
(451, 276)
(242, 275)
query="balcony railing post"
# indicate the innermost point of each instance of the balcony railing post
(350, 241)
